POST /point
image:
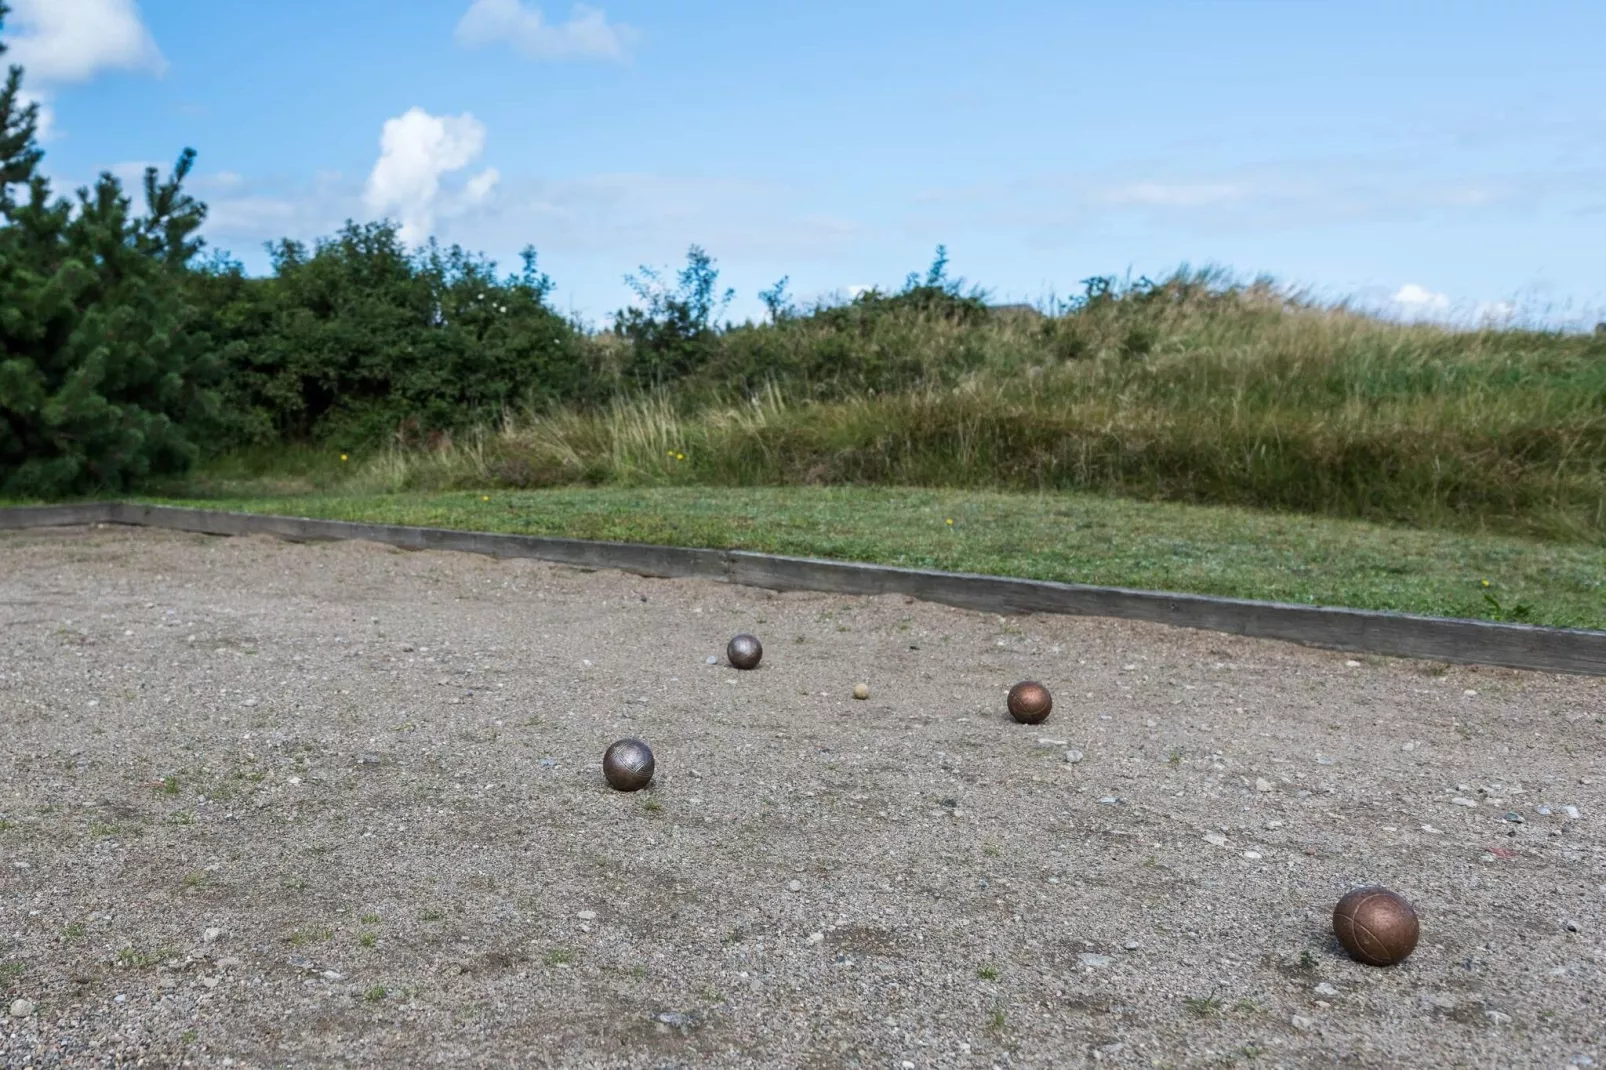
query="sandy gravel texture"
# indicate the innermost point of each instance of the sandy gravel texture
(265, 804)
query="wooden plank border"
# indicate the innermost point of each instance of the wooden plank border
(1517, 646)
(56, 516)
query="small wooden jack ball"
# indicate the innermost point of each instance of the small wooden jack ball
(1376, 926)
(628, 765)
(744, 651)
(1030, 702)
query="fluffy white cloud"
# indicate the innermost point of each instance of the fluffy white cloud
(587, 35)
(1420, 299)
(60, 41)
(416, 150)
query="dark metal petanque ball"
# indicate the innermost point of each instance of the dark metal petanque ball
(744, 651)
(628, 764)
(1376, 926)
(1030, 702)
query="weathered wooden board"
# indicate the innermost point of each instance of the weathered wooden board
(1464, 641)
(55, 516)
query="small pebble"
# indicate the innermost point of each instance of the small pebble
(795, 886)
(587, 915)
(1326, 990)
(1089, 959)
(1216, 838)
(1352, 664)
(1571, 812)
(1262, 784)
(1303, 1024)
(1570, 925)
(211, 935)
(1132, 945)
(711, 660)
(1458, 801)
(1073, 756)
(22, 1008)
(815, 938)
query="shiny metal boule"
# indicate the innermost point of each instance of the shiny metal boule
(744, 651)
(1030, 702)
(1376, 926)
(628, 765)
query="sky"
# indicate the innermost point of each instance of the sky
(1428, 159)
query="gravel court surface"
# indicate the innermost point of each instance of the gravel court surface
(266, 804)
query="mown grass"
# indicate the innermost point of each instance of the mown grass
(1080, 538)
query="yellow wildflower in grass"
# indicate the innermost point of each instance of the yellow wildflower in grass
(950, 521)
(680, 456)
(485, 497)
(1486, 583)
(343, 457)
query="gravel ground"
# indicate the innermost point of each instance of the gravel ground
(265, 804)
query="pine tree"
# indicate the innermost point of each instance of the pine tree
(98, 374)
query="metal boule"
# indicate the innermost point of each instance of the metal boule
(1376, 926)
(1030, 702)
(628, 765)
(744, 651)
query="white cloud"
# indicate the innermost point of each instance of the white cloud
(46, 122)
(61, 41)
(131, 173)
(1495, 313)
(1174, 194)
(479, 187)
(587, 35)
(415, 151)
(1420, 299)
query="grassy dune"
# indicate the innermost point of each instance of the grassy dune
(1197, 394)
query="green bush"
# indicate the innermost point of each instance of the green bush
(673, 331)
(360, 340)
(99, 375)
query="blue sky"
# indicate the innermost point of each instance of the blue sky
(1450, 155)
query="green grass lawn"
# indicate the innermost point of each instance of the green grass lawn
(1068, 537)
